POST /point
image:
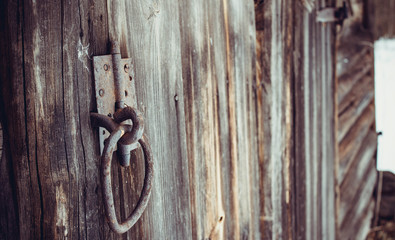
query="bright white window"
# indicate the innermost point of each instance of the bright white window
(384, 53)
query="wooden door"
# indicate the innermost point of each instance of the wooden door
(194, 64)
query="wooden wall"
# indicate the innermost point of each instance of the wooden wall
(242, 110)
(356, 131)
(194, 64)
(296, 120)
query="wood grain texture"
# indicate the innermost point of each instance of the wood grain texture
(314, 126)
(239, 102)
(315, 150)
(263, 93)
(218, 80)
(194, 73)
(296, 122)
(58, 187)
(356, 134)
(350, 188)
(354, 104)
(349, 145)
(274, 118)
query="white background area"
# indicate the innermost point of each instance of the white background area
(384, 53)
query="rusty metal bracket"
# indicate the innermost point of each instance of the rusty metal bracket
(115, 89)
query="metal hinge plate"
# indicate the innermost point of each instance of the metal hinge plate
(105, 88)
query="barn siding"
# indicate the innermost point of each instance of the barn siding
(356, 132)
(252, 136)
(296, 120)
(194, 64)
(218, 56)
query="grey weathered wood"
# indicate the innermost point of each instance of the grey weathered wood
(361, 202)
(295, 91)
(354, 104)
(356, 135)
(274, 116)
(240, 109)
(194, 75)
(314, 126)
(61, 196)
(350, 144)
(362, 164)
(218, 80)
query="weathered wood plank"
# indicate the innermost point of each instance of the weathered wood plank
(217, 102)
(301, 71)
(276, 93)
(57, 166)
(358, 165)
(263, 93)
(357, 96)
(354, 104)
(55, 150)
(153, 38)
(314, 125)
(351, 186)
(328, 116)
(349, 56)
(349, 145)
(300, 186)
(364, 224)
(356, 136)
(350, 217)
(27, 188)
(237, 156)
(349, 80)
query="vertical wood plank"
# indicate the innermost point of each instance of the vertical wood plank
(277, 77)
(220, 117)
(152, 38)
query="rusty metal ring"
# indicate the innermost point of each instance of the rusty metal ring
(131, 136)
(108, 198)
(138, 124)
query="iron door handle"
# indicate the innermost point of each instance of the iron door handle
(129, 135)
